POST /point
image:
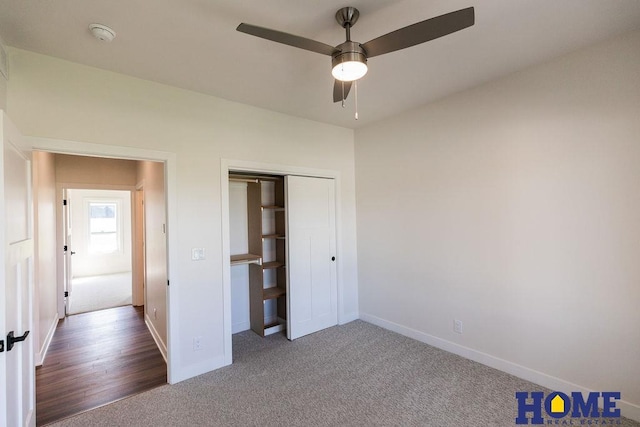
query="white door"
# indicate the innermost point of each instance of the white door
(17, 369)
(311, 267)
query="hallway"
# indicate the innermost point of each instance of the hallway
(94, 359)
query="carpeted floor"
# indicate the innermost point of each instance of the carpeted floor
(100, 292)
(351, 375)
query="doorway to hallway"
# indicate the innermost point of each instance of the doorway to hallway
(114, 348)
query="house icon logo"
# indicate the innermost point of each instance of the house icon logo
(557, 407)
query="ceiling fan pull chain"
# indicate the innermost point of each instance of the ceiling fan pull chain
(343, 103)
(355, 84)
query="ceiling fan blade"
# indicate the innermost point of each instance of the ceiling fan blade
(338, 94)
(286, 38)
(420, 32)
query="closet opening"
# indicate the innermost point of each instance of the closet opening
(282, 253)
(258, 253)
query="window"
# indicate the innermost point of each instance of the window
(104, 227)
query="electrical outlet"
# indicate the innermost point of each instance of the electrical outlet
(197, 343)
(457, 326)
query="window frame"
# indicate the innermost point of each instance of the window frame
(119, 221)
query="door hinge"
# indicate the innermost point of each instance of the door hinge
(167, 283)
(1, 346)
(64, 248)
(64, 202)
(66, 294)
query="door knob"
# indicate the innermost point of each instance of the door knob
(333, 258)
(73, 253)
(11, 340)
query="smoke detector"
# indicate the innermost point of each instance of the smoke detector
(102, 32)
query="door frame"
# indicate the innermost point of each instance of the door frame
(60, 146)
(61, 189)
(139, 262)
(234, 165)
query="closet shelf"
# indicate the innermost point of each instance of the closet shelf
(273, 236)
(272, 264)
(274, 292)
(246, 259)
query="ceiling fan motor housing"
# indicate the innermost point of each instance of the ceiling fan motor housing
(348, 52)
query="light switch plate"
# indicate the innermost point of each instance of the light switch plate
(197, 254)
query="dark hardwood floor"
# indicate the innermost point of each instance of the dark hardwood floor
(94, 359)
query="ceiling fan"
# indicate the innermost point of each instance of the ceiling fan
(349, 59)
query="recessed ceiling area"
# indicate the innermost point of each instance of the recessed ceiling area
(193, 44)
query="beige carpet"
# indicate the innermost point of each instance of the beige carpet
(351, 375)
(100, 292)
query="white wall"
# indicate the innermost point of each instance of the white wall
(84, 262)
(46, 247)
(53, 98)
(151, 178)
(514, 207)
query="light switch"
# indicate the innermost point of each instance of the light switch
(197, 254)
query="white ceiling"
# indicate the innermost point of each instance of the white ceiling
(193, 44)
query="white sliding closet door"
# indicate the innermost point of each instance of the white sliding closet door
(311, 237)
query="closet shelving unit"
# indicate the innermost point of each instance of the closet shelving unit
(267, 252)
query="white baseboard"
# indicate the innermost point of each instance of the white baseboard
(198, 369)
(31, 419)
(348, 317)
(156, 337)
(628, 409)
(42, 353)
(240, 327)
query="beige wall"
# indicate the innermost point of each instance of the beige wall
(46, 247)
(3, 86)
(95, 171)
(57, 99)
(151, 178)
(3, 93)
(514, 207)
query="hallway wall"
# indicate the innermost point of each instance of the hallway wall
(46, 246)
(95, 171)
(151, 175)
(89, 172)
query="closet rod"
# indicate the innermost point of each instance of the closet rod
(234, 179)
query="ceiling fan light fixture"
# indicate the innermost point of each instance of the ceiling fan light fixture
(349, 63)
(349, 71)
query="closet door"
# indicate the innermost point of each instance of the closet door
(311, 237)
